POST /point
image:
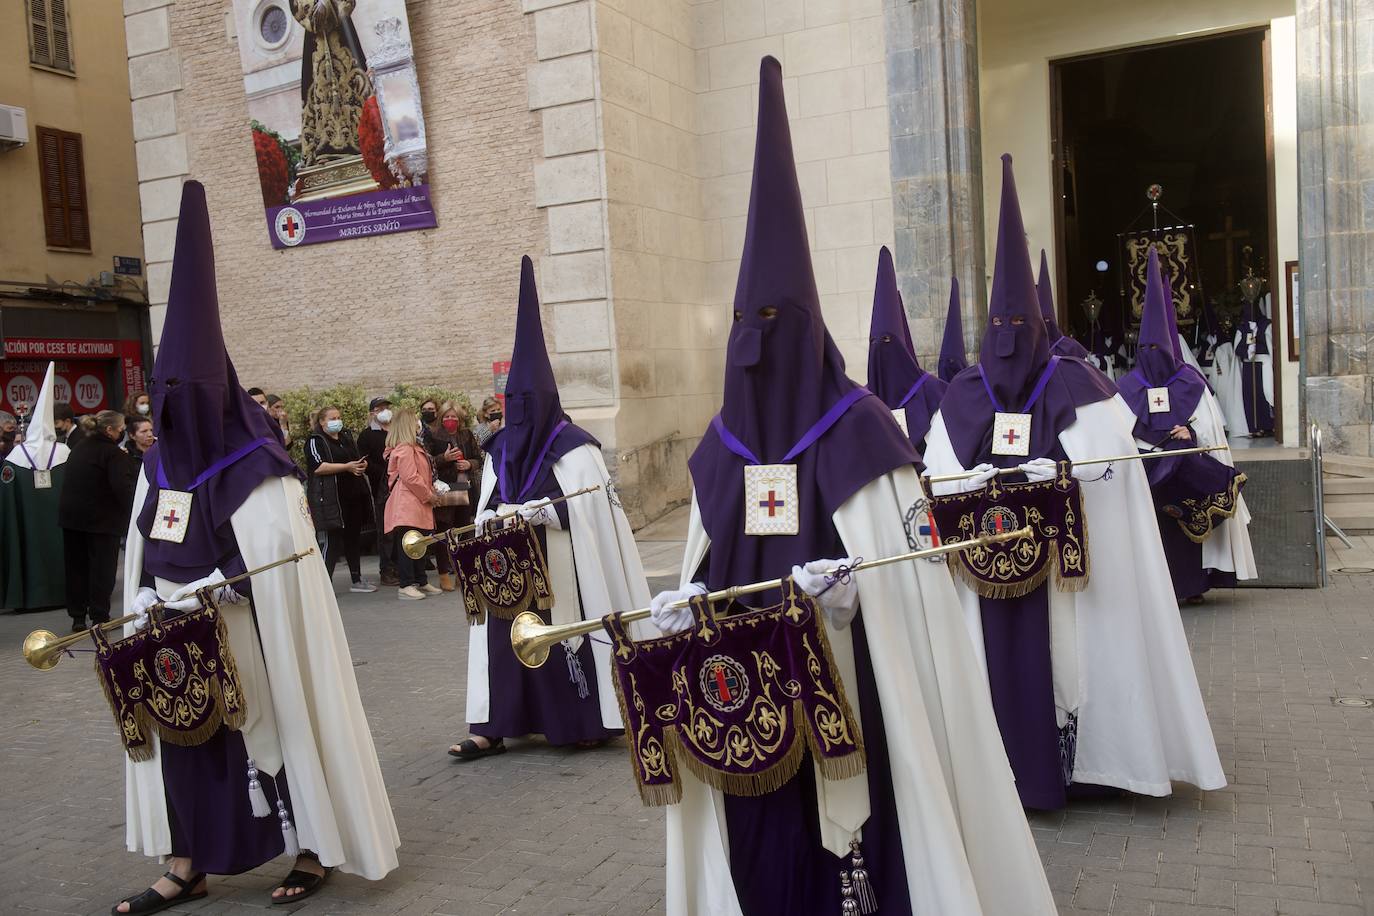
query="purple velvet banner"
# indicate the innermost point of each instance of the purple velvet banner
(502, 573)
(373, 213)
(737, 700)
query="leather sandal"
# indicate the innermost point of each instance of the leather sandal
(306, 882)
(150, 901)
(471, 750)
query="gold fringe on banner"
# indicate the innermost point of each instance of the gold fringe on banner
(1199, 518)
(482, 597)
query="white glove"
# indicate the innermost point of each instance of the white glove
(145, 599)
(184, 599)
(981, 475)
(539, 512)
(670, 620)
(483, 520)
(1039, 470)
(837, 596)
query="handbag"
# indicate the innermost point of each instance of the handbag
(452, 498)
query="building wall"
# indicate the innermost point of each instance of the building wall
(432, 306)
(94, 103)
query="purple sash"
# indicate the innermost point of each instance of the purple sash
(176, 677)
(33, 462)
(242, 451)
(1012, 569)
(737, 700)
(925, 377)
(818, 429)
(502, 573)
(1039, 389)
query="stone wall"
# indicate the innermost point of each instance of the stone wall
(1336, 218)
(434, 306)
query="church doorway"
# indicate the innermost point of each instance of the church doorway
(1193, 117)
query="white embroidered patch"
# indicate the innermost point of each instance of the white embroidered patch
(1011, 434)
(770, 499)
(1158, 399)
(42, 480)
(173, 515)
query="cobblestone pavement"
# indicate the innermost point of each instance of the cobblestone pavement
(544, 830)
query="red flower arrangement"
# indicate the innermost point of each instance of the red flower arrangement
(272, 169)
(373, 145)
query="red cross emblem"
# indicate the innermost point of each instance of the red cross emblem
(169, 668)
(772, 504)
(1158, 401)
(1010, 436)
(724, 683)
(495, 561)
(171, 518)
(290, 226)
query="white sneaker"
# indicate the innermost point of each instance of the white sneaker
(431, 589)
(410, 593)
(362, 586)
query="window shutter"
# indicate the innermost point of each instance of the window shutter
(61, 46)
(40, 43)
(74, 189)
(50, 175)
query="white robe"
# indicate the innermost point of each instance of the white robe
(1118, 650)
(304, 710)
(1225, 378)
(594, 568)
(967, 846)
(1228, 548)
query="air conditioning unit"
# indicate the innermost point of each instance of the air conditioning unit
(14, 127)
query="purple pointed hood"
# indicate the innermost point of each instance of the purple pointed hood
(1015, 373)
(1159, 365)
(784, 380)
(537, 432)
(206, 424)
(952, 358)
(1045, 293)
(894, 373)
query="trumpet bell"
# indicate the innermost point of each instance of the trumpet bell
(38, 653)
(531, 639)
(414, 544)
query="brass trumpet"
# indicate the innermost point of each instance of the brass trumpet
(43, 648)
(415, 544)
(531, 638)
(1138, 456)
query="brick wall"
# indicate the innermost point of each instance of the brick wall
(434, 306)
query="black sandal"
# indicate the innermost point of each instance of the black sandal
(305, 881)
(150, 901)
(471, 750)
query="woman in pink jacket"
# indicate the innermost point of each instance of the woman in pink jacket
(410, 500)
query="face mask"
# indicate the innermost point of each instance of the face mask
(383, 416)
(1006, 342)
(428, 416)
(334, 426)
(143, 409)
(746, 346)
(451, 424)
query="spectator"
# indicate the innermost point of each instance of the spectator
(372, 446)
(97, 496)
(69, 431)
(276, 408)
(138, 436)
(9, 429)
(410, 505)
(257, 395)
(449, 443)
(340, 499)
(138, 404)
(489, 421)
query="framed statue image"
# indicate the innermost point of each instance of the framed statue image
(335, 117)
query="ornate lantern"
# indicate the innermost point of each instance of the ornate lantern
(398, 103)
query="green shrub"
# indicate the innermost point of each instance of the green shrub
(412, 396)
(352, 401)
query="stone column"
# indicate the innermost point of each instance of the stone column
(163, 161)
(1336, 217)
(937, 184)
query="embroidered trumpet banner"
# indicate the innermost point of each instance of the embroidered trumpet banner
(737, 700)
(1197, 491)
(176, 678)
(1054, 511)
(502, 573)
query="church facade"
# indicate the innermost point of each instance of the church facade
(612, 140)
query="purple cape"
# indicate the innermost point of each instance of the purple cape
(894, 373)
(1014, 358)
(205, 422)
(537, 431)
(1159, 365)
(952, 360)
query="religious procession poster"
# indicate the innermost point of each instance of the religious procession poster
(335, 118)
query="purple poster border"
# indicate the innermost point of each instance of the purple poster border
(355, 216)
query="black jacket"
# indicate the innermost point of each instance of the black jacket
(97, 488)
(327, 492)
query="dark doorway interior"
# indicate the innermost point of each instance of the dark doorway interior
(1190, 116)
